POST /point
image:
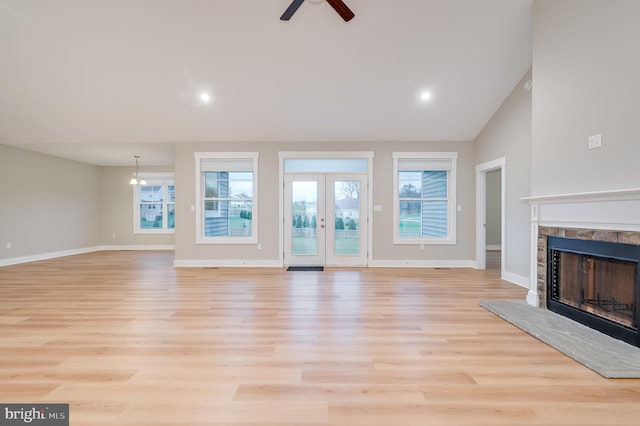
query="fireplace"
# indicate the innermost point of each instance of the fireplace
(591, 272)
(596, 283)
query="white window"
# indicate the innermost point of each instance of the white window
(424, 197)
(226, 185)
(154, 204)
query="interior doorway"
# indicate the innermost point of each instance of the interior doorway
(490, 215)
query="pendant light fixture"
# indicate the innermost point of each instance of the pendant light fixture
(135, 180)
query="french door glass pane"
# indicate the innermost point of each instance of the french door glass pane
(304, 212)
(347, 217)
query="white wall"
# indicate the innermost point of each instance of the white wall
(586, 64)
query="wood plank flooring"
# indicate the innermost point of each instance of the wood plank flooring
(126, 339)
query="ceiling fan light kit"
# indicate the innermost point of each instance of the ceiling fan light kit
(338, 5)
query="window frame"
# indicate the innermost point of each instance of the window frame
(231, 158)
(154, 179)
(451, 157)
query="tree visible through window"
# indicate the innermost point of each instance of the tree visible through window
(423, 204)
(425, 198)
(226, 185)
(228, 202)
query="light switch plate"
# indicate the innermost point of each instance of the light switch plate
(595, 141)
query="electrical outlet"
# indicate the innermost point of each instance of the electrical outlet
(113, 236)
(8, 245)
(595, 141)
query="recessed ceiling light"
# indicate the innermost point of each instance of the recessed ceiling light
(205, 97)
(425, 96)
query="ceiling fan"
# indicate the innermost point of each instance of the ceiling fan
(339, 6)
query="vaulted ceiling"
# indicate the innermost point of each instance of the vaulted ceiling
(101, 80)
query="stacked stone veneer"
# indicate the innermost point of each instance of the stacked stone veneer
(626, 237)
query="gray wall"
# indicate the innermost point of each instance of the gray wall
(116, 204)
(88, 204)
(508, 135)
(586, 64)
(47, 204)
(494, 208)
(383, 249)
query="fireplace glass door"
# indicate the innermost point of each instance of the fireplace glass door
(600, 286)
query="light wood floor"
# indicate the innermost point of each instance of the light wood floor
(493, 260)
(126, 339)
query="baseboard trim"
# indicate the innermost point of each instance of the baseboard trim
(139, 248)
(63, 253)
(532, 298)
(226, 263)
(422, 264)
(520, 280)
(494, 247)
(46, 256)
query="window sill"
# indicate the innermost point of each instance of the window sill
(423, 241)
(154, 232)
(226, 240)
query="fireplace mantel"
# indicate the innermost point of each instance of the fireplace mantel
(613, 195)
(615, 210)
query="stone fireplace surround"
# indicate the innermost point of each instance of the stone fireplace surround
(612, 216)
(626, 237)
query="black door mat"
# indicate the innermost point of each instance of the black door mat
(305, 268)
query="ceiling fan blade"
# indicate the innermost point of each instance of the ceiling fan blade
(342, 9)
(295, 4)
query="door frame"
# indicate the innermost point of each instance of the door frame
(365, 155)
(481, 212)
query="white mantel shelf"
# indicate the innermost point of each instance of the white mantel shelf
(612, 195)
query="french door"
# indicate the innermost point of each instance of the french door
(325, 219)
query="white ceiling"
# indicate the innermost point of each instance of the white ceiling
(101, 80)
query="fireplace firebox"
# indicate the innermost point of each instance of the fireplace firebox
(596, 283)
